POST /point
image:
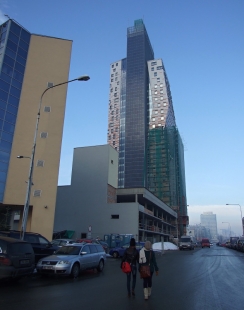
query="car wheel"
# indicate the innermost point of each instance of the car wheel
(115, 254)
(100, 265)
(75, 271)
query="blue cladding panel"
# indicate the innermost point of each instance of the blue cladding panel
(16, 42)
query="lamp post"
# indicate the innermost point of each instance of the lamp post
(237, 204)
(29, 183)
(229, 226)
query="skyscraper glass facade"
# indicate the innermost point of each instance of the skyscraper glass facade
(139, 51)
(151, 152)
(14, 45)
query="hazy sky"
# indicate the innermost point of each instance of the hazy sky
(201, 43)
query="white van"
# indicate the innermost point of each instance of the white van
(186, 243)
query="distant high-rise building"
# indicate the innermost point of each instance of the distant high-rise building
(142, 126)
(30, 63)
(208, 220)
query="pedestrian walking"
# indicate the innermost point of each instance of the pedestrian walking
(147, 258)
(131, 256)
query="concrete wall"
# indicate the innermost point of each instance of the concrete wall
(84, 202)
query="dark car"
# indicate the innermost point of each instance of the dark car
(41, 246)
(119, 251)
(62, 242)
(104, 245)
(17, 258)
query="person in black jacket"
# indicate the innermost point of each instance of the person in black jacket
(131, 256)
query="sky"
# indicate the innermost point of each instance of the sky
(201, 43)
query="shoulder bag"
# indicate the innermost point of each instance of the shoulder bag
(145, 271)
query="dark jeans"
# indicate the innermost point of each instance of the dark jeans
(147, 282)
(133, 273)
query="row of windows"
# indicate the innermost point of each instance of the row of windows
(161, 118)
(116, 65)
(158, 68)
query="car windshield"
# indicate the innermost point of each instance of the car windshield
(68, 250)
(185, 239)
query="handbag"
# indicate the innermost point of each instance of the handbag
(126, 268)
(145, 271)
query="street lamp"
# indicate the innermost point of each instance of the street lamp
(29, 183)
(229, 226)
(237, 204)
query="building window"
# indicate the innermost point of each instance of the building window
(153, 63)
(161, 85)
(111, 90)
(162, 118)
(115, 88)
(155, 92)
(114, 216)
(114, 70)
(47, 109)
(116, 129)
(112, 130)
(113, 142)
(159, 67)
(115, 94)
(165, 104)
(116, 79)
(43, 135)
(114, 136)
(161, 91)
(155, 73)
(109, 137)
(117, 83)
(153, 119)
(155, 86)
(156, 112)
(112, 66)
(153, 126)
(161, 98)
(112, 80)
(112, 75)
(155, 99)
(152, 69)
(159, 125)
(162, 111)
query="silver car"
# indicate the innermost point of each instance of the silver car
(72, 258)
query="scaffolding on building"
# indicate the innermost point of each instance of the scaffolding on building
(165, 171)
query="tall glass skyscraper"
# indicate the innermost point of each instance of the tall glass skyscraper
(142, 126)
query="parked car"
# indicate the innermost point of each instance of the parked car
(119, 251)
(104, 245)
(62, 242)
(17, 258)
(240, 245)
(72, 258)
(205, 243)
(41, 246)
(85, 240)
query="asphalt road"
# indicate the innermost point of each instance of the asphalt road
(203, 279)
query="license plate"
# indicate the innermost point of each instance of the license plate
(47, 267)
(24, 261)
